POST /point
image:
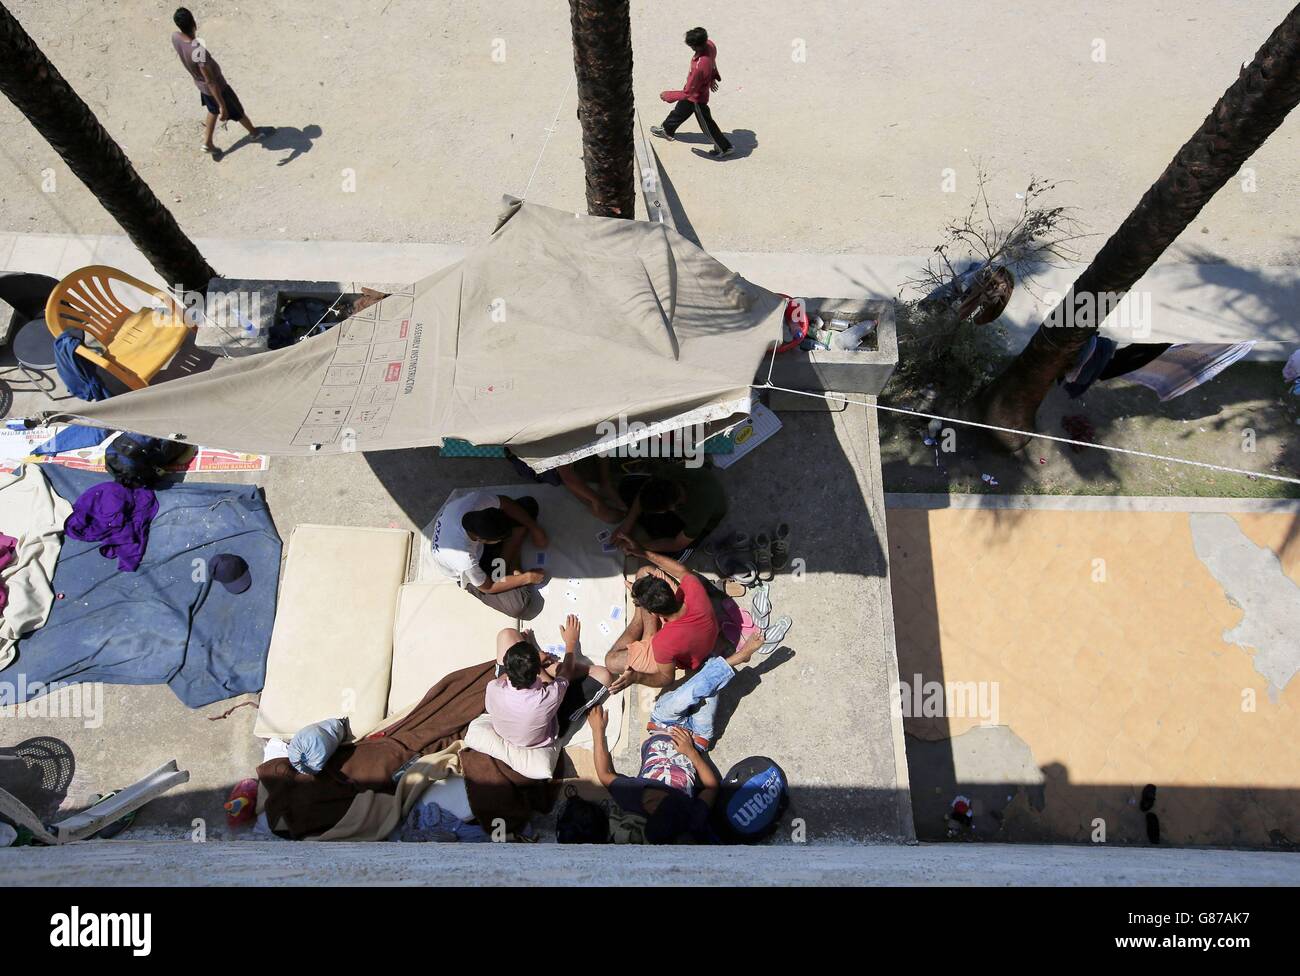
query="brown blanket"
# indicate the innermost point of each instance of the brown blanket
(299, 805)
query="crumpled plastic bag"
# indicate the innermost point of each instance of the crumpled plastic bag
(310, 749)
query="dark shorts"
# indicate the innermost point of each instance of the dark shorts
(232, 103)
(579, 693)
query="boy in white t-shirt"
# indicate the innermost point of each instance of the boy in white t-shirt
(477, 539)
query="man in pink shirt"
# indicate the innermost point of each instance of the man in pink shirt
(535, 694)
(214, 91)
(694, 98)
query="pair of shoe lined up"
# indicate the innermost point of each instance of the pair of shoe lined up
(749, 561)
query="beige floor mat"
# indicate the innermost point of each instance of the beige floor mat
(331, 651)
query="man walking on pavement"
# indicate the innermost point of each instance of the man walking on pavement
(694, 98)
(214, 91)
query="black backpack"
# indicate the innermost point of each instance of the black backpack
(753, 798)
(137, 461)
(581, 821)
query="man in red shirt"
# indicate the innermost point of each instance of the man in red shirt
(675, 625)
(694, 98)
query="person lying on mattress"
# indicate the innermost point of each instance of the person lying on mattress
(477, 539)
(677, 784)
(535, 694)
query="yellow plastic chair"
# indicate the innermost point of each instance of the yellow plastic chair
(136, 343)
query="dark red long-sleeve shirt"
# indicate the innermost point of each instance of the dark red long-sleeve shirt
(703, 74)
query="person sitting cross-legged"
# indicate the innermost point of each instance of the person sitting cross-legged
(674, 624)
(531, 701)
(477, 539)
(672, 509)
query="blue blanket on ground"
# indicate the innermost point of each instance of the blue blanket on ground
(168, 622)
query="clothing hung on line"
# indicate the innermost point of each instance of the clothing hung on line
(1182, 368)
(1169, 370)
(116, 516)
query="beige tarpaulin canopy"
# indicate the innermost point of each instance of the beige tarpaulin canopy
(557, 331)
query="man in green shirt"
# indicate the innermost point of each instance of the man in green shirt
(672, 509)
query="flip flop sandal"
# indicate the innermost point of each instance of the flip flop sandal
(761, 602)
(763, 556)
(772, 636)
(735, 567)
(781, 546)
(733, 588)
(1148, 797)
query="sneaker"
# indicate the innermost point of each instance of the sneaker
(715, 153)
(661, 132)
(263, 131)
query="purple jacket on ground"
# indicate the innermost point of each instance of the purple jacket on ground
(116, 516)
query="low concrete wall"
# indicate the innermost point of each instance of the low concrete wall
(118, 863)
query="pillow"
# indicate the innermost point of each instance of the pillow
(537, 762)
(312, 747)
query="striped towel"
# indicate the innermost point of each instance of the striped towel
(1184, 367)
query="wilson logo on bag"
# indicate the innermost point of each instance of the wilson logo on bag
(755, 793)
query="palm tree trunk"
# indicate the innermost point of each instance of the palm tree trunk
(602, 61)
(1256, 103)
(67, 123)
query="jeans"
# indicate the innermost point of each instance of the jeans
(694, 704)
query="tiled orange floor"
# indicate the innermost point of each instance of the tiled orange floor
(1116, 671)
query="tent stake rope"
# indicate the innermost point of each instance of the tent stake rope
(547, 141)
(1031, 434)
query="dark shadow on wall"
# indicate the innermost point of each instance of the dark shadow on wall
(1056, 811)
